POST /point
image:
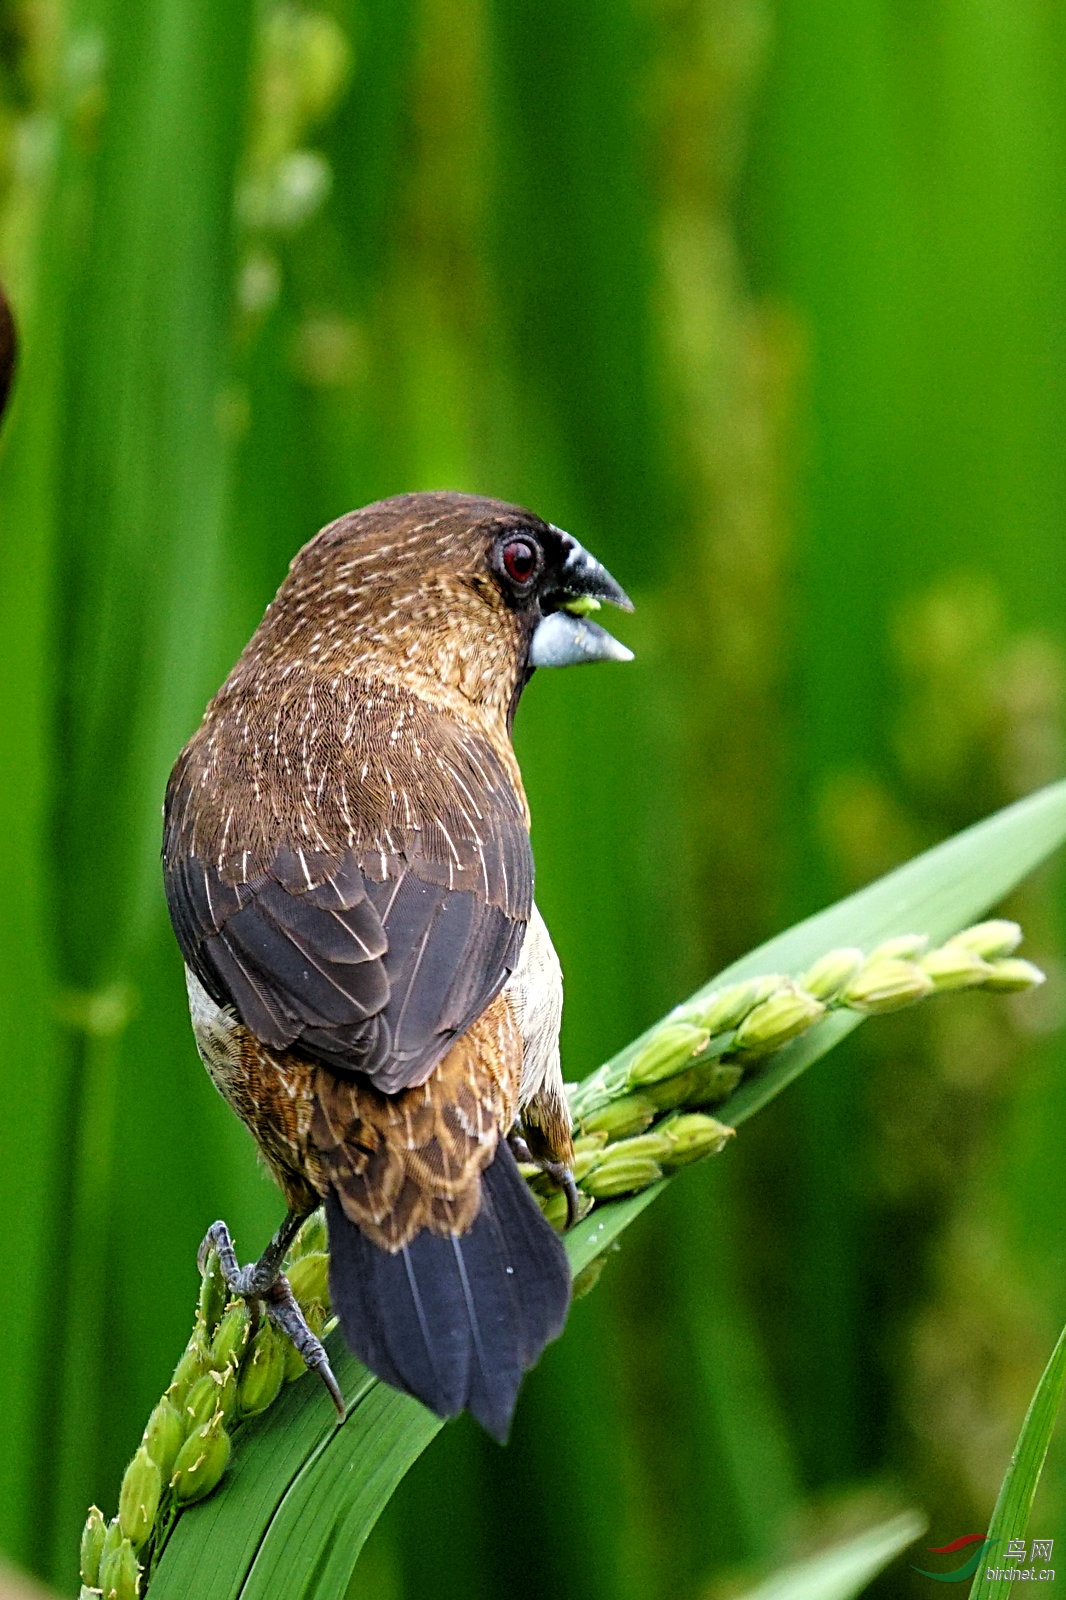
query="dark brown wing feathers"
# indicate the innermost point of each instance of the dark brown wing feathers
(360, 900)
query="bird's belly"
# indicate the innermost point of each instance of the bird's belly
(534, 993)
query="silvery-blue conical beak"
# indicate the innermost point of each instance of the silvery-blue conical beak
(566, 637)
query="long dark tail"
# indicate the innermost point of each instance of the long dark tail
(456, 1321)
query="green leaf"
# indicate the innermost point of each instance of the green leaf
(1010, 1519)
(140, 534)
(843, 1570)
(937, 893)
(296, 1509)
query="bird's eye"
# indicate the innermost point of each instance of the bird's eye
(519, 560)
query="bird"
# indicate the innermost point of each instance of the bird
(8, 349)
(348, 870)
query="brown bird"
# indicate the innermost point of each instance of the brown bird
(349, 874)
(8, 349)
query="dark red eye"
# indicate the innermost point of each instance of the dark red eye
(519, 560)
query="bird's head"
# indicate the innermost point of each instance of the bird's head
(457, 597)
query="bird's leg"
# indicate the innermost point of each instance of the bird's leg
(250, 1282)
(561, 1175)
(558, 1171)
(262, 1283)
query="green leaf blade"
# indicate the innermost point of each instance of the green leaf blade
(1010, 1519)
(325, 1518)
(843, 1570)
(937, 893)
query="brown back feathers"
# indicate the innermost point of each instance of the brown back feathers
(405, 1162)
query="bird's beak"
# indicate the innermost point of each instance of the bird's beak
(566, 637)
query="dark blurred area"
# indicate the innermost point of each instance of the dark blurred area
(765, 302)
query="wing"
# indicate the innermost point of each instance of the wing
(373, 954)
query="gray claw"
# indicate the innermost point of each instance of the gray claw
(263, 1284)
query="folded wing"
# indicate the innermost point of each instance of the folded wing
(370, 956)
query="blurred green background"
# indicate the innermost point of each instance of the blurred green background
(766, 301)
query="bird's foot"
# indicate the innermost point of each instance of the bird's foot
(563, 1178)
(558, 1171)
(263, 1284)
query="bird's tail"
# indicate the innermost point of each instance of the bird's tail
(456, 1321)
